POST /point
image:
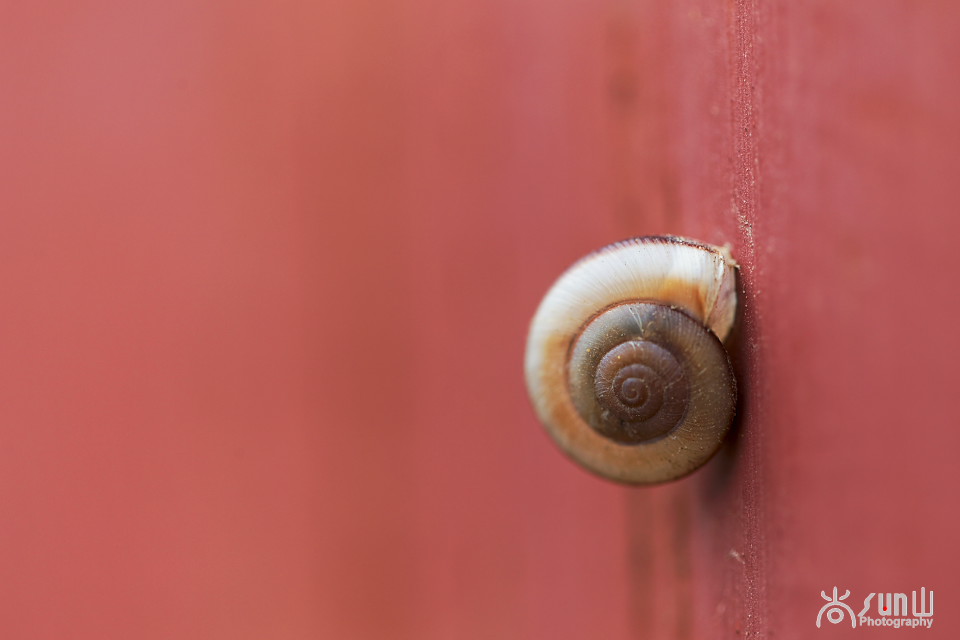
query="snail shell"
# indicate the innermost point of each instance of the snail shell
(625, 363)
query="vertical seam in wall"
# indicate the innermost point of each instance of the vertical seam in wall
(745, 195)
(745, 154)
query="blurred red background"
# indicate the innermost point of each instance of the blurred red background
(266, 271)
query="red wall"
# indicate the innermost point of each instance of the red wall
(266, 270)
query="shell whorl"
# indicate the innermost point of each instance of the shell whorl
(625, 364)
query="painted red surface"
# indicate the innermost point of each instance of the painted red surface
(829, 151)
(266, 270)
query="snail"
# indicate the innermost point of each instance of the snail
(625, 363)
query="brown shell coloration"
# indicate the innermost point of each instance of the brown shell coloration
(625, 363)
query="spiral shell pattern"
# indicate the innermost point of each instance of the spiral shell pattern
(625, 364)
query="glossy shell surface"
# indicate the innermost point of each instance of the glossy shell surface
(622, 302)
